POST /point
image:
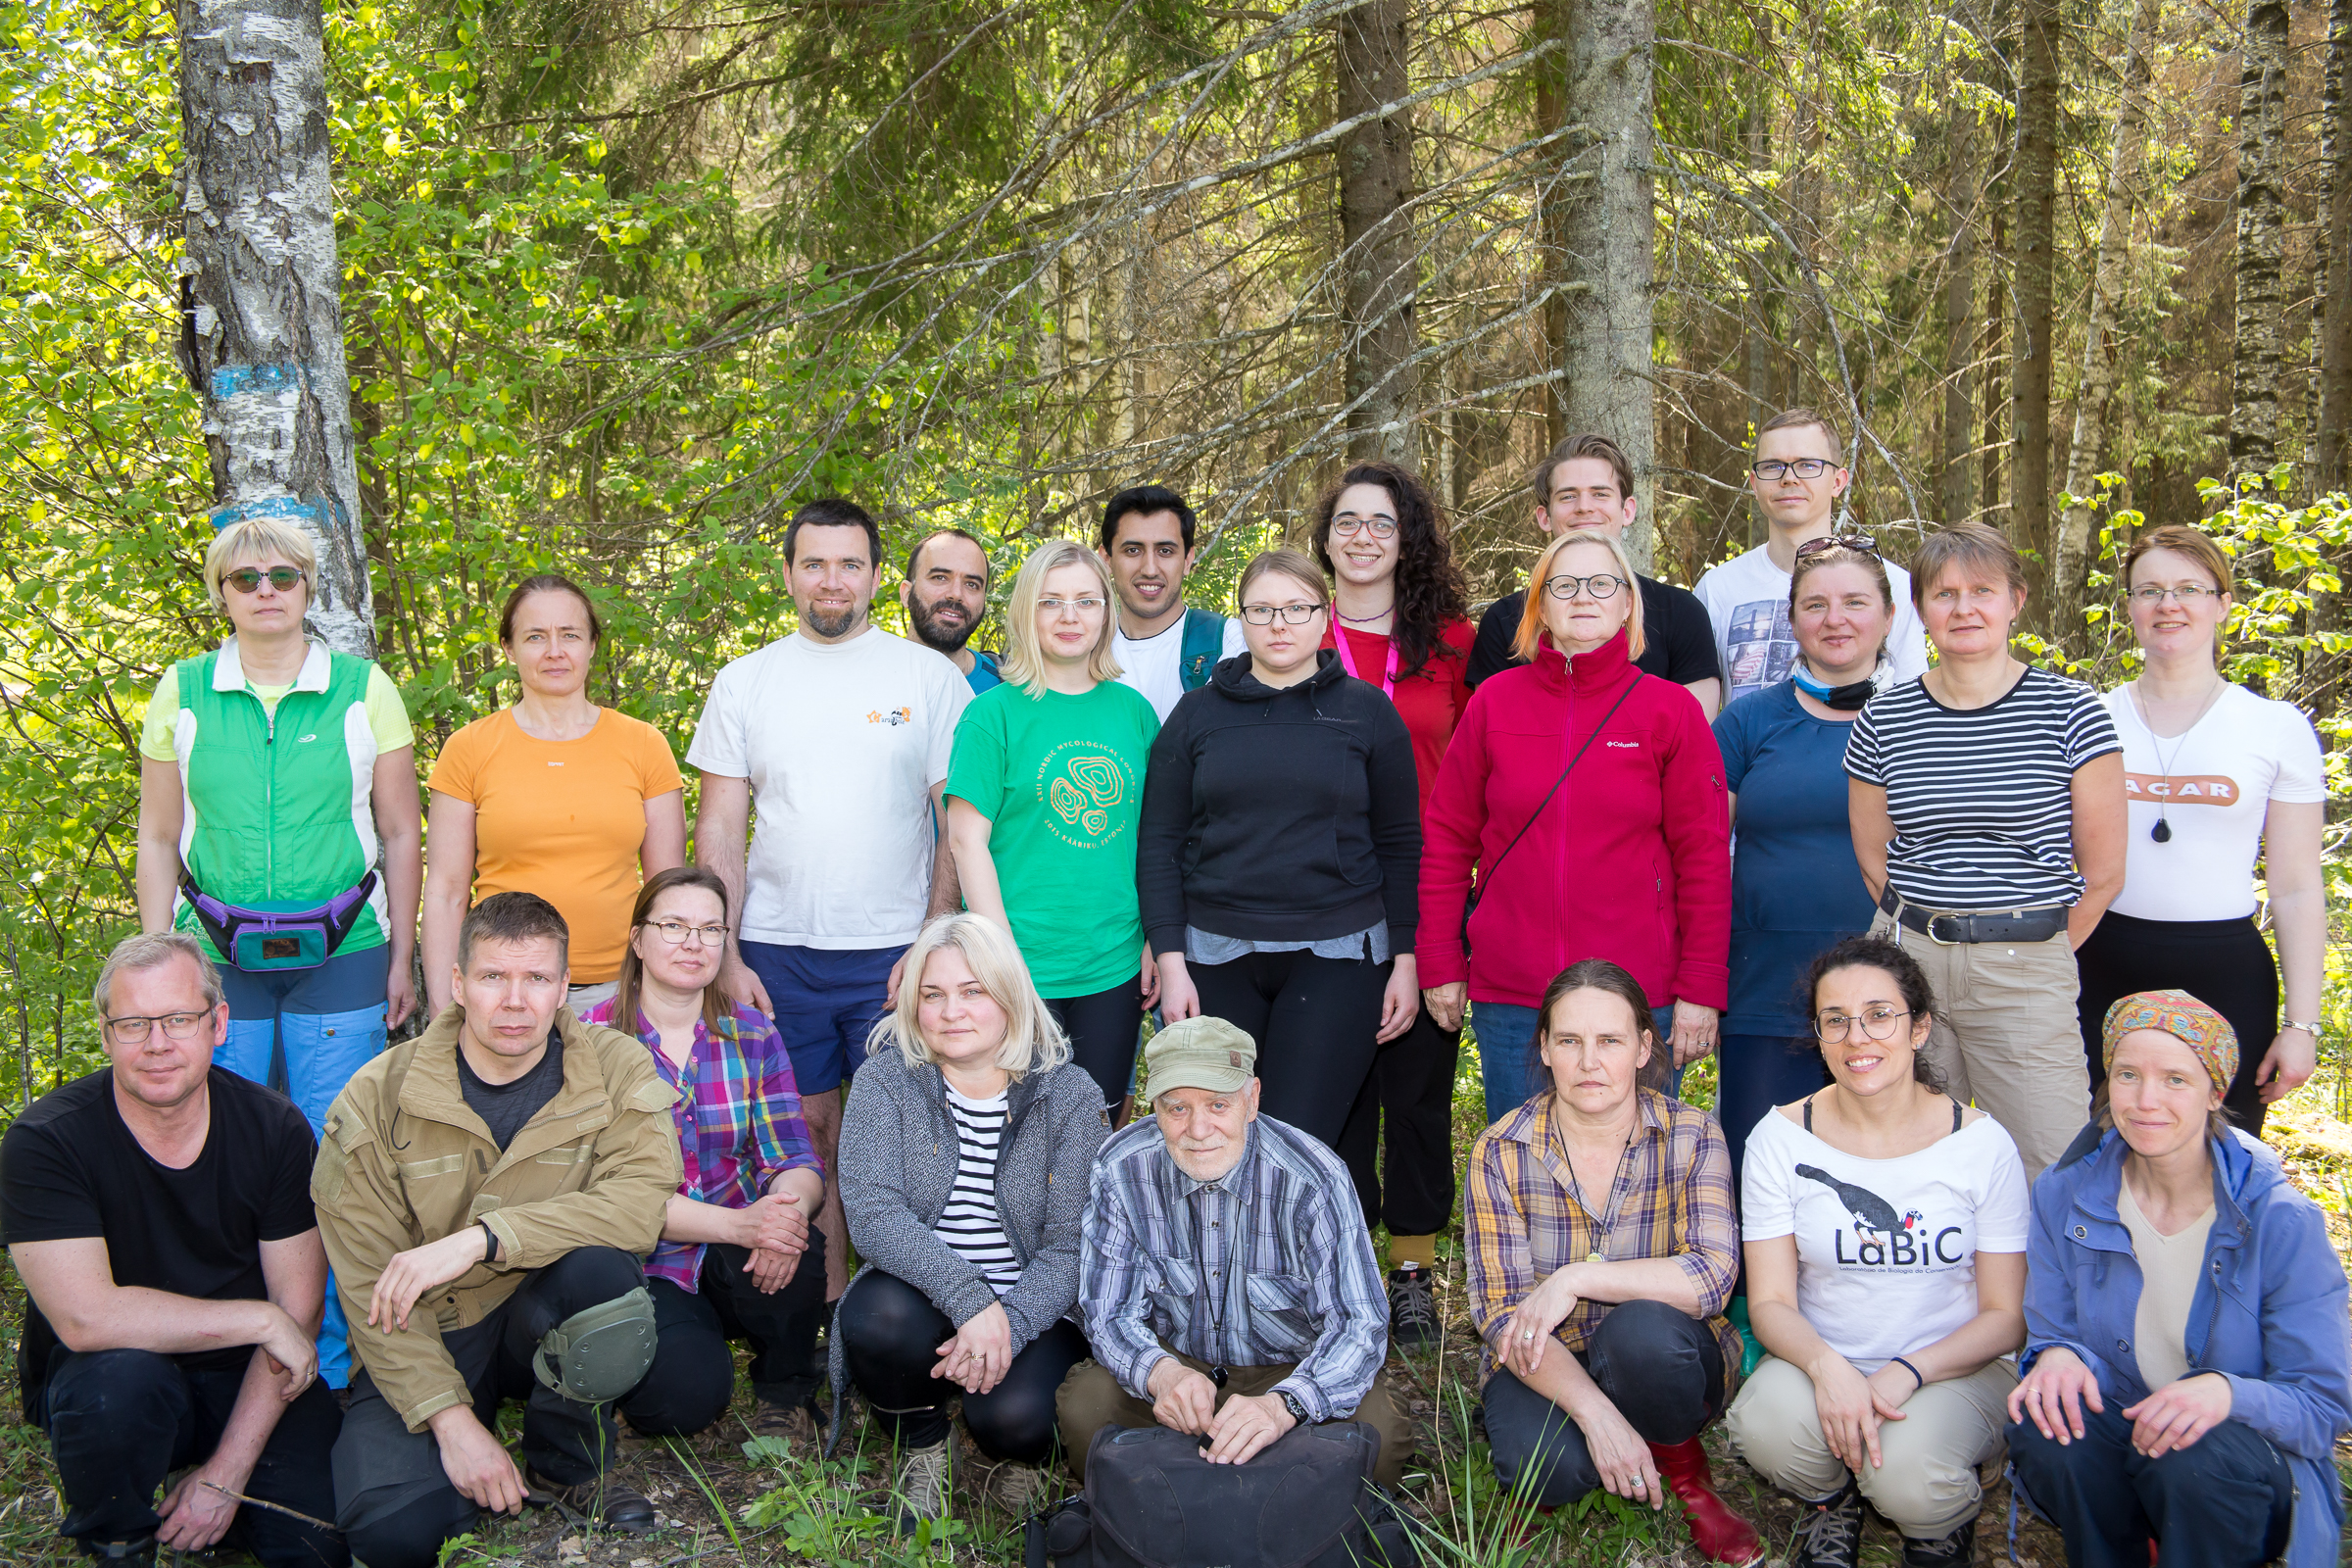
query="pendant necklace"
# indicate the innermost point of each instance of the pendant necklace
(2162, 832)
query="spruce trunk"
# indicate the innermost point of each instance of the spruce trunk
(2034, 237)
(2261, 227)
(1377, 263)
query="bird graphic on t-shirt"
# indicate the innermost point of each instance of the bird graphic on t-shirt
(1871, 1211)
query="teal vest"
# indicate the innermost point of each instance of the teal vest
(277, 812)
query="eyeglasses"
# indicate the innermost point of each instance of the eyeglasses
(676, 933)
(248, 579)
(134, 1030)
(1771, 468)
(1077, 607)
(1878, 1023)
(1601, 585)
(1839, 541)
(1380, 524)
(1291, 614)
(2187, 593)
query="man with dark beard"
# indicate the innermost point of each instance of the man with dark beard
(837, 738)
(945, 595)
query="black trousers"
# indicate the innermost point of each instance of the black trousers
(2226, 1500)
(692, 1377)
(1662, 1370)
(393, 1499)
(2223, 963)
(1410, 1089)
(1103, 1029)
(890, 1333)
(120, 1421)
(1314, 1020)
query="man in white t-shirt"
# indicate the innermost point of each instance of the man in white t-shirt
(837, 736)
(1164, 649)
(1798, 474)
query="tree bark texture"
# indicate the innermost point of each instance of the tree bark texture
(2069, 564)
(1959, 313)
(2333, 334)
(261, 334)
(2033, 274)
(1378, 261)
(2261, 229)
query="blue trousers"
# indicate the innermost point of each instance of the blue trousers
(2225, 1501)
(1510, 1070)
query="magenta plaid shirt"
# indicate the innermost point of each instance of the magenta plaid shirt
(739, 1122)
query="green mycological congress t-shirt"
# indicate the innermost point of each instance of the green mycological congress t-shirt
(1060, 779)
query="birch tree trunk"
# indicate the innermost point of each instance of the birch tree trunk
(2032, 270)
(1376, 231)
(2127, 156)
(261, 334)
(2261, 228)
(2331, 337)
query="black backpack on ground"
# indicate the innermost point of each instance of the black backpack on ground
(1153, 1501)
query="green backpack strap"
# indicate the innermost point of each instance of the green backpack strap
(1204, 646)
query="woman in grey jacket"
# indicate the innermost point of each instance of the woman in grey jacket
(965, 1152)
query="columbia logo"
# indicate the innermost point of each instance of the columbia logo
(1623, 746)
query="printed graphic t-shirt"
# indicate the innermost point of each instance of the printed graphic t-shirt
(842, 743)
(1885, 1248)
(1748, 600)
(1060, 779)
(1154, 664)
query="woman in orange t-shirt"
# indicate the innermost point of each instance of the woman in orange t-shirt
(504, 819)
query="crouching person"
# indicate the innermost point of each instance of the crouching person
(159, 1213)
(485, 1191)
(1602, 1248)
(1227, 1279)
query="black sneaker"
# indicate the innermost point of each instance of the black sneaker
(1829, 1535)
(1413, 1309)
(1955, 1550)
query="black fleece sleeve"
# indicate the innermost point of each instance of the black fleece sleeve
(1490, 654)
(1395, 790)
(1164, 825)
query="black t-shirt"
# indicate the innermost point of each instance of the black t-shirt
(1678, 641)
(508, 1109)
(69, 1168)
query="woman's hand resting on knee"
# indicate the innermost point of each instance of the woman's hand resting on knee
(1619, 1452)
(1851, 1406)
(977, 1358)
(2052, 1396)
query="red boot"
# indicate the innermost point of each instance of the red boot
(1719, 1534)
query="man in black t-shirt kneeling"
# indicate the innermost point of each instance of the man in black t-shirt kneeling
(159, 1213)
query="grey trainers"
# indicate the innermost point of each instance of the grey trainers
(1413, 1309)
(925, 1477)
(1020, 1490)
(1829, 1535)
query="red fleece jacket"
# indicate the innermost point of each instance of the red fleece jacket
(1629, 861)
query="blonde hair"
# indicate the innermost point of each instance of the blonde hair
(1530, 621)
(1033, 1041)
(1284, 563)
(1024, 663)
(257, 539)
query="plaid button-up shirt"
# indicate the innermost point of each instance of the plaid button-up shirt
(1523, 1222)
(739, 1122)
(1267, 1265)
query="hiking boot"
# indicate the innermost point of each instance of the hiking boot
(1020, 1490)
(1955, 1550)
(792, 1425)
(606, 1501)
(924, 1478)
(1719, 1534)
(1413, 1309)
(1829, 1535)
(139, 1553)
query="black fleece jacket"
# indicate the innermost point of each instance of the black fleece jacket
(1288, 814)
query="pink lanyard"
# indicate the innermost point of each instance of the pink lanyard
(1388, 679)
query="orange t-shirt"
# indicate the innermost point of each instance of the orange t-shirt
(564, 819)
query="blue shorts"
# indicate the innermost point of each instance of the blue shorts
(826, 1002)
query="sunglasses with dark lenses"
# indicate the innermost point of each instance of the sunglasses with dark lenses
(1839, 541)
(248, 579)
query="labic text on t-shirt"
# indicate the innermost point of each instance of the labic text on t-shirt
(1881, 1237)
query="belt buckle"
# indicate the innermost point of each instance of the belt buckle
(1944, 942)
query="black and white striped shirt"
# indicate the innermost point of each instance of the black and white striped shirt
(970, 1223)
(1982, 798)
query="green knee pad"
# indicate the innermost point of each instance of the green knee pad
(601, 1353)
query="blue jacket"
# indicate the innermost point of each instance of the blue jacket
(2270, 1312)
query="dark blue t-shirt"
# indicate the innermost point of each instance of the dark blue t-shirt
(1795, 887)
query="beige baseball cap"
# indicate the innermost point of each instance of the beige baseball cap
(1200, 1053)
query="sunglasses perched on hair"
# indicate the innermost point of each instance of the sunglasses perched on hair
(248, 579)
(1839, 541)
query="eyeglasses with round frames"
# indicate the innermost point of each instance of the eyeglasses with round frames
(1771, 468)
(1878, 1023)
(133, 1030)
(1348, 525)
(1090, 606)
(248, 579)
(676, 933)
(2187, 593)
(1601, 585)
(1291, 614)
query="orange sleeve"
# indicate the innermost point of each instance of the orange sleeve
(656, 765)
(456, 770)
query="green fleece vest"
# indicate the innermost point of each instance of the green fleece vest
(276, 811)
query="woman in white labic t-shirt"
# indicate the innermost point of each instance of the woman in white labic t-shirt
(2215, 776)
(1884, 1227)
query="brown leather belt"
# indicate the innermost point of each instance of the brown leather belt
(1983, 926)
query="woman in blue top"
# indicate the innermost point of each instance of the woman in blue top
(1796, 888)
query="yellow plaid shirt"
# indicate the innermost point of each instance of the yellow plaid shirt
(1672, 1198)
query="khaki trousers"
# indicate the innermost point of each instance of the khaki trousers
(2006, 1038)
(1090, 1398)
(1928, 1487)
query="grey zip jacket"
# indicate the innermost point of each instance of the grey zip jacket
(896, 1166)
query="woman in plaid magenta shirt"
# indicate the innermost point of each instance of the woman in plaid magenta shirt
(1602, 1248)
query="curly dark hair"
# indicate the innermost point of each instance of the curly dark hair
(1886, 955)
(1430, 592)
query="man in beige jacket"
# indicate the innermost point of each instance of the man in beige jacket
(486, 1192)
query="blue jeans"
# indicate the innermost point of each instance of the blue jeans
(826, 1001)
(1508, 1064)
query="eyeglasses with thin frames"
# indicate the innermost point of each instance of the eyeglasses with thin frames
(1348, 525)
(1291, 614)
(1090, 606)
(248, 579)
(2187, 593)
(1878, 1023)
(133, 1030)
(676, 933)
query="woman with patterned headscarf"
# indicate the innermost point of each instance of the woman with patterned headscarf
(2185, 1361)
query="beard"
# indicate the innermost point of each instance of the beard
(831, 622)
(944, 635)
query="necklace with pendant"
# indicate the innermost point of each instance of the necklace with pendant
(2162, 832)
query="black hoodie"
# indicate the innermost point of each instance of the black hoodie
(1288, 814)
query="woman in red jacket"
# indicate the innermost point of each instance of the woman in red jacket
(1588, 797)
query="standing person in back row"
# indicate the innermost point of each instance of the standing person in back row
(838, 737)
(1586, 482)
(1162, 648)
(1798, 473)
(946, 597)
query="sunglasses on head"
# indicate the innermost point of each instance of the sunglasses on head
(248, 579)
(1839, 541)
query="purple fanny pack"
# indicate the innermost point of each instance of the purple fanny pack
(279, 939)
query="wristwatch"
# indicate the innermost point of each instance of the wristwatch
(1290, 1402)
(2311, 1029)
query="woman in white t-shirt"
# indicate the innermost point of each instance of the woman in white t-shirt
(2215, 776)
(1884, 1227)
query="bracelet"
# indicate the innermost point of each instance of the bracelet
(2311, 1029)
(1896, 1361)
(491, 1237)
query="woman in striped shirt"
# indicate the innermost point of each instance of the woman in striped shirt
(1987, 799)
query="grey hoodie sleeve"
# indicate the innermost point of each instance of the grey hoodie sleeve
(1048, 1284)
(884, 1226)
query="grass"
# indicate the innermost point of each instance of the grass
(728, 1503)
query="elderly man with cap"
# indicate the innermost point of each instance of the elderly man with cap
(2185, 1362)
(486, 1191)
(1226, 1277)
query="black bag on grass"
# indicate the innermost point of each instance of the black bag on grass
(1153, 1501)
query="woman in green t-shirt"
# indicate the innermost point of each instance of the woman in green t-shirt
(1043, 794)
